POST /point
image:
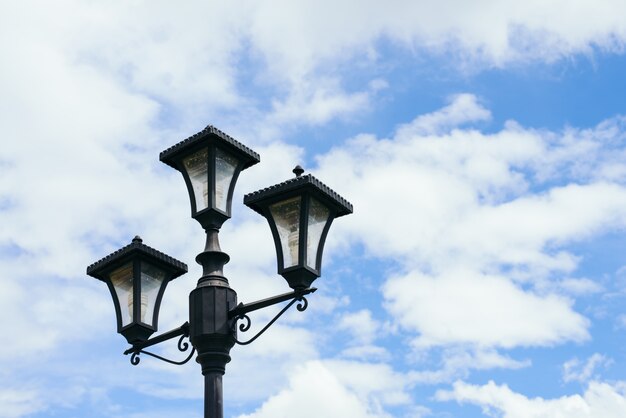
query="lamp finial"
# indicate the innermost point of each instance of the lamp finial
(298, 171)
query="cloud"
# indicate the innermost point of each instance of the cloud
(91, 92)
(463, 108)
(205, 59)
(273, 357)
(464, 308)
(461, 181)
(479, 227)
(466, 184)
(361, 325)
(458, 362)
(390, 387)
(311, 388)
(317, 105)
(575, 370)
(336, 389)
(600, 400)
(315, 33)
(580, 286)
(366, 353)
(17, 403)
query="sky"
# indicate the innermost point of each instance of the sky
(482, 144)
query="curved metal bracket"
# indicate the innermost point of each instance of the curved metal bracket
(134, 359)
(246, 326)
(183, 346)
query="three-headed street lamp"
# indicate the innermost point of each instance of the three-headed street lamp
(299, 212)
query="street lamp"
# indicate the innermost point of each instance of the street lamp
(210, 162)
(136, 276)
(299, 212)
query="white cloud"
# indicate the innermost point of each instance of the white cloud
(463, 108)
(336, 389)
(388, 388)
(200, 58)
(575, 370)
(273, 357)
(366, 352)
(91, 92)
(313, 392)
(458, 362)
(461, 307)
(39, 322)
(317, 104)
(18, 403)
(485, 256)
(460, 177)
(523, 230)
(361, 325)
(580, 286)
(497, 34)
(465, 184)
(600, 400)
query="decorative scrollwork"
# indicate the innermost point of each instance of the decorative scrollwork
(245, 326)
(161, 358)
(302, 305)
(182, 346)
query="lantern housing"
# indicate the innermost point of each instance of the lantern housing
(210, 162)
(299, 212)
(137, 276)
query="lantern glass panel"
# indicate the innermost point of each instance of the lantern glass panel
(225, 166)
(318, 216)
(122, 280)
(286, 216)
(151, 281)
(197, 168)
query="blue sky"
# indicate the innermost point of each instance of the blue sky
(482, 273)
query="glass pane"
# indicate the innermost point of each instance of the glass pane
(225, 165)
(196, 166)
(286, 215)
(151, 279)
(122, 280)
(318, 215)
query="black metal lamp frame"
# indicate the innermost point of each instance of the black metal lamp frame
(300, 275)
(212, 139)
(135, 253)
(213, 309)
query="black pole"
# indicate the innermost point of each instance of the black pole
(211, 331)
(213, 396)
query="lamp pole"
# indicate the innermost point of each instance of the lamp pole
(211, 330)
(299, 212)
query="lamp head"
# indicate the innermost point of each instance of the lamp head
(136, 276)
(299, 212)
(210, 162)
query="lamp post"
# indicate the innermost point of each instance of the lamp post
(299, 212)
